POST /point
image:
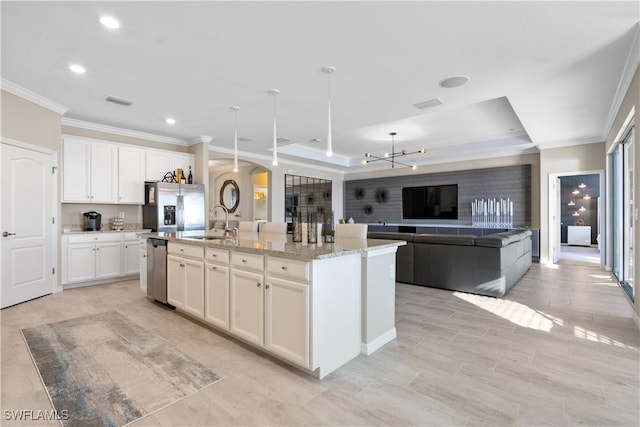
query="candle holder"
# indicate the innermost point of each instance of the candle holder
(492, 213)
(328, 228)
(296, 219)
(312, 228)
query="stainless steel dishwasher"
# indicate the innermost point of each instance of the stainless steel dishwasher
(157, 269)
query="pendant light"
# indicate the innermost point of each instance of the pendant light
(329, 69)
(275, 93)
(235, 110)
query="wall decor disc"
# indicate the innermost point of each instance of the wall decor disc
(368, 209)
(382, 195)
(358, 193)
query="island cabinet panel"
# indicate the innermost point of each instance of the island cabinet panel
(287, 319)
(247, 305)
(216, 288)
(185, 284)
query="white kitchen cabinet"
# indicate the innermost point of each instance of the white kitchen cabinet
(287, 319)
(157, 165)
(216, 287)
(92, 256)
(131, 167)
(131, 254)
(246, 305)
(108, 260)
(216, 294)
(185, 278)
(181, 160)
(89, 171)
(159, 162)
(143, 264)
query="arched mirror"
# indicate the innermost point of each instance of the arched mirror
(230, 195)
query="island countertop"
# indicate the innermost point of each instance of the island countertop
(277, 245)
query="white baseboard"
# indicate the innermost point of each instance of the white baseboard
(369, 348)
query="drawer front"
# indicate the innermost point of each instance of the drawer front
(94, 237)
(219, 256)
(247, 261)
(186, 250)
(288, 268)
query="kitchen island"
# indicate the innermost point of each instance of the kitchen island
(316, 306)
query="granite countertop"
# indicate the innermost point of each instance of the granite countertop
(145, 230)
(282, 246)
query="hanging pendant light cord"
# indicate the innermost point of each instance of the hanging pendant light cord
(275, 92)
(235, 141)
(329, 69)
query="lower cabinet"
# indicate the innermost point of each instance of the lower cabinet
(247, 306)
(216, 295)
(131, 257)
(287, 319)
(88, 258)
(185, 284)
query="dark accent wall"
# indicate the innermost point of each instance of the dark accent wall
(512, 182)
(587, 217)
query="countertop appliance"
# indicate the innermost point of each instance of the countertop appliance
(173, 207)
(92, 221)
(157, 269)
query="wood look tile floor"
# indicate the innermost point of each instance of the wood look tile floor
(560, 349)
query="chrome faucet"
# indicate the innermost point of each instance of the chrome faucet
(227, 230)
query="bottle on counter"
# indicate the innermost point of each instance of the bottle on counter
(190, 176)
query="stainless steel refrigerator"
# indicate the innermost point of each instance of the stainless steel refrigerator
(173, 207)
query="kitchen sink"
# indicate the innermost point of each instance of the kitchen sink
(210, 237)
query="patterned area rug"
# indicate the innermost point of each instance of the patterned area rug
(105, 370)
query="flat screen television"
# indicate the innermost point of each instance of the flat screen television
(430, 202)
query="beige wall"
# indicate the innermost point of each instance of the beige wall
(30, 123)
(630, 102)
(563, 160)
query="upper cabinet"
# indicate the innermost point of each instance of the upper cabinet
(89, 171)
(131, 163)
(160, 162)
(103, 172)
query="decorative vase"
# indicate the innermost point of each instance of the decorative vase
(297, 226)
(328, 228)
(312, 228)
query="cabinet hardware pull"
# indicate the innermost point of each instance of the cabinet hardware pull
(6, 233)
(181, 265)
(181, 250)
(259, 284)
(284, 267)
(214, 255)
(244, 260)
(213, 268)
(266, 286)
(97, 249)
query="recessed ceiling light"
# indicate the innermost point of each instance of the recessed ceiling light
(110, 22)
(246, 139)
(78, 69)
(316, 140)
(170, 121)
(454, 81)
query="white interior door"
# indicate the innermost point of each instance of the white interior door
(26, 224)
(554, 219)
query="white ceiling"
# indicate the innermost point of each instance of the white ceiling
(541, 73)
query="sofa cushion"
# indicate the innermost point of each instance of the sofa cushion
(388, 235)
(498, 240)
(445, 239)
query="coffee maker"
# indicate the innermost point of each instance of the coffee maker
(92, 221)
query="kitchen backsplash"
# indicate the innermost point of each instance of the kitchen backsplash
(72, 215)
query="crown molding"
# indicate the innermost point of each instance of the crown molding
(120, 131)
(630, 67)
(40, 100)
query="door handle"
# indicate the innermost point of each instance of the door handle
(6, 234)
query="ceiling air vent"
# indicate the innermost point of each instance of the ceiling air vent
(283, 140)
(119, 101)
(428, 104)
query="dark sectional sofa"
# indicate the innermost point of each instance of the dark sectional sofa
(486, 265)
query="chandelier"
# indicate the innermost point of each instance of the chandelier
(391, 157)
